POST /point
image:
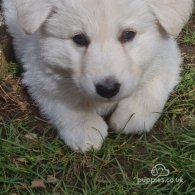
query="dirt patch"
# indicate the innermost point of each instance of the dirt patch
(13, 101)
(16, 106)
(188, 49)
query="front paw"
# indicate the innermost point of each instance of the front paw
(128, 120)
(89, 134)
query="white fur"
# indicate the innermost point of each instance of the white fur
(60, 76)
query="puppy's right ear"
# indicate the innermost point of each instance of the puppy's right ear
(172, 14)
(32, 13)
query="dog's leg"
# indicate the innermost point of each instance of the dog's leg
(80, 129)
(139, 112)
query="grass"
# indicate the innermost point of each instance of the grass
(189, 36)
(113, 170)
(31, 153)
(11, 68)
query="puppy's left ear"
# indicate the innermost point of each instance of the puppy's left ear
(172, 14)
(32, 13)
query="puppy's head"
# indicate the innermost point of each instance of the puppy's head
(106, 46)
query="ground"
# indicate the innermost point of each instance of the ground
(33, 160)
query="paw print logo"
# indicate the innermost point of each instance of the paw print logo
(160, 170)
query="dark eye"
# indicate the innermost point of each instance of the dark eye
(127, 36)
(81, 40)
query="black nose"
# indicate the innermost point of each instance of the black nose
(108, 89)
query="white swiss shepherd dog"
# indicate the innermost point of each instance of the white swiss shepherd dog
(85, 59)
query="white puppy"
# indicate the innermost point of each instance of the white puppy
(84, 59)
